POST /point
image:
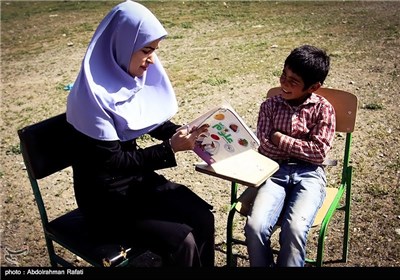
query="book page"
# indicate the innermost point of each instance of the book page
(249, 168)
(227, 135)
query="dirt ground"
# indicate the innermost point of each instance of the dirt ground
(216, 51)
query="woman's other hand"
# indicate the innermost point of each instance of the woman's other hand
(184, 139)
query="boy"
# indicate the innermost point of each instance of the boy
(296, 129)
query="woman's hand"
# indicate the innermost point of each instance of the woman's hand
(184, 140)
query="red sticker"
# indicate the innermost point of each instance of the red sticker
(214, 136)
(243, 142)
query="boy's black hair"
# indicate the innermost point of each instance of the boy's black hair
(310, 63)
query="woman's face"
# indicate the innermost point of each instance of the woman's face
(142, 58)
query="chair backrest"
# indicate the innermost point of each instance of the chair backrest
(345, 104)
(47, 146)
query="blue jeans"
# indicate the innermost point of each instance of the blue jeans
(293, 195)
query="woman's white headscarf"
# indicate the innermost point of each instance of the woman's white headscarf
(105, 102)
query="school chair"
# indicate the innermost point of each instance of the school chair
(47, 148)
(338, 197)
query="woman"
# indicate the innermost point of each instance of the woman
(121, 93)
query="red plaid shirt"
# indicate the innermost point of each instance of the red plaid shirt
(308, 129)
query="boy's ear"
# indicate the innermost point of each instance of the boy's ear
(314, 87)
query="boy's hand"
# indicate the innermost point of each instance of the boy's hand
(276, 137)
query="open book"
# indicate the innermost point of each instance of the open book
(227, 135)
(229, 147)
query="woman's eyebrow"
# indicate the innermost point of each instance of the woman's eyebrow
(148, 47)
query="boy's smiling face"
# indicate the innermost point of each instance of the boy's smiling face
(292, 85)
